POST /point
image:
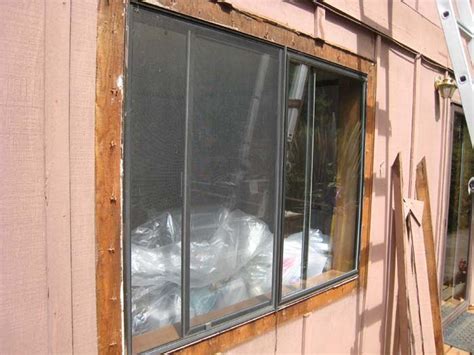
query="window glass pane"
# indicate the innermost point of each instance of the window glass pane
(202, 127)
(234, 131)
(322, 178)
(459, 218)
(154, 166)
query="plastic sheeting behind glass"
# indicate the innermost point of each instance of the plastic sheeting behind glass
(234, 141)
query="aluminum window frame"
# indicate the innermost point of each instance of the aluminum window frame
(241, 317)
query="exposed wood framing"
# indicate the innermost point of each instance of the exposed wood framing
(109, 95)
(369, 156)
(110, 70)
(368, 174)
(423, 194)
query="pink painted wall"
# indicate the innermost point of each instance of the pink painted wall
(47, 89)
(47, 102)
(23, 279)
(406, 21)
(425, 8)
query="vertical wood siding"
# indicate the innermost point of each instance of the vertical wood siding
(47, 239)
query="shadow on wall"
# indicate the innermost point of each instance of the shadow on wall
(305, 5)
(379, 252)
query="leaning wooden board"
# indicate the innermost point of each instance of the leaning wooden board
(423, 194)
(414, 211)
(404, 334)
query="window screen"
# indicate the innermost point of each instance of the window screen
(154, 165)
(201, 154)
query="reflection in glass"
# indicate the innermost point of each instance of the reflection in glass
(459, 219)
(322, 177)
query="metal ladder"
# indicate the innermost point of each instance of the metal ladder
(452, 28)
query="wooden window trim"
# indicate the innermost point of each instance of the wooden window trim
(108, 155)
(108, 159)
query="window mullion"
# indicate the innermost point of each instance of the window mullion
(280, 173)
(308, 177)
(186, 219)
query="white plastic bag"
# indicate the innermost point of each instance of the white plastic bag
(221, 244)
(318, 250)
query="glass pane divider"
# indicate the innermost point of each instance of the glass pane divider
(186, 219)
(309, 177)
(280, 191)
